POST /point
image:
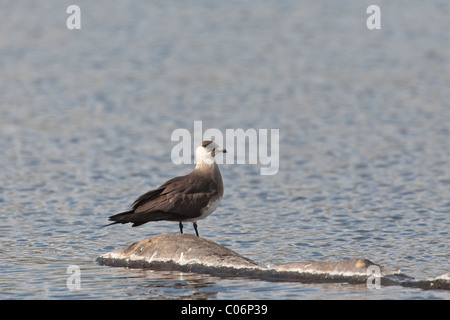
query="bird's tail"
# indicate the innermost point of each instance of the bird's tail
(139, 218)
(123, 217)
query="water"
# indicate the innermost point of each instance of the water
(87, 116)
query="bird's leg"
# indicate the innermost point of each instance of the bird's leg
(181, 227)
(195, 227)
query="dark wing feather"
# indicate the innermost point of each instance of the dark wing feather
(148, 196)
(184, 196)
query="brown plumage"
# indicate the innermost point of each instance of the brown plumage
(183, 199)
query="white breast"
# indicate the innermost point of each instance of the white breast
(210, 208)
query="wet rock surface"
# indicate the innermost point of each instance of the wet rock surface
(188, 253)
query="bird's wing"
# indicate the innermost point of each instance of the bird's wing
(184, 196)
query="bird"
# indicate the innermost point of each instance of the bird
(185, 198)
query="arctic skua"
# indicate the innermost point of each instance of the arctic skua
(183, 199)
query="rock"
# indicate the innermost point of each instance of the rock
(352, 267)
(183, 252)
(355, 270)
(440, 282)
(189, 253)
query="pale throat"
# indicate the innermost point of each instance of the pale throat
(203, 158)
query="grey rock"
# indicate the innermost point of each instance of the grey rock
(189, 253)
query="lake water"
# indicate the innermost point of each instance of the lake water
(86, 118)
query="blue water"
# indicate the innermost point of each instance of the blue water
(87, 117)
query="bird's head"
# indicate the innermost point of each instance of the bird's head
(206, 152)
